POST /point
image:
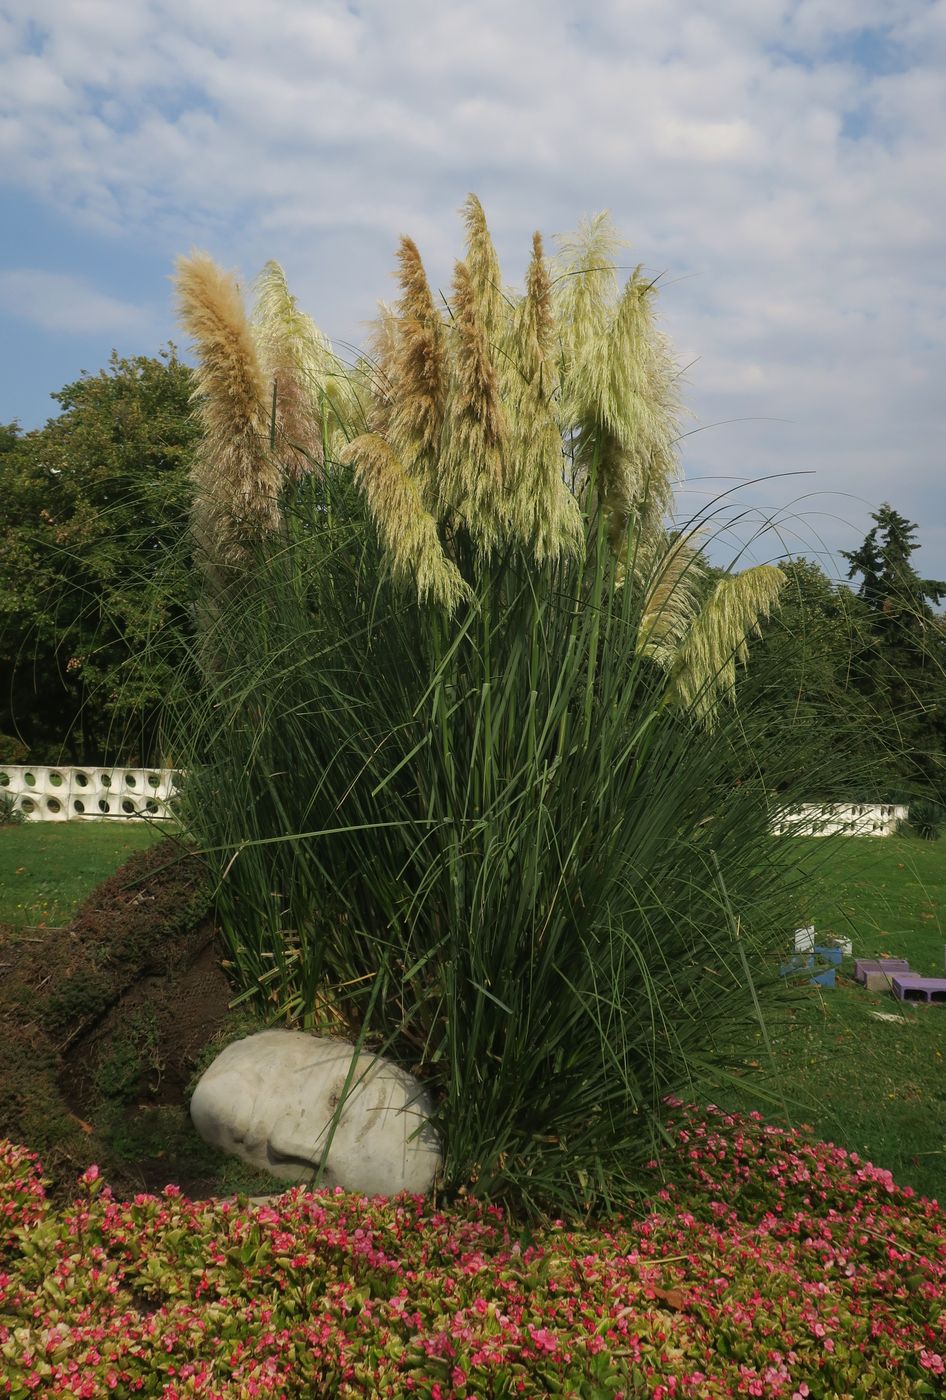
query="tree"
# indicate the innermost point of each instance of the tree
(802, 673)
(92, 582)
(902, 664)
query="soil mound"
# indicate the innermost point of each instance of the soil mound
(104, 1023)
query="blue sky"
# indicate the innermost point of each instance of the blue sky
(779, 162)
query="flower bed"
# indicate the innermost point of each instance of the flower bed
(771, 1268)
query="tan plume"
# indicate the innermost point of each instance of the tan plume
(472, 479)
(543, 511)
(236, 478)
(419, 369)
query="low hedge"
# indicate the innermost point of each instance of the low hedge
(768, 1267)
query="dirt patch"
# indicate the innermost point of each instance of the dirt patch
(104, 1023)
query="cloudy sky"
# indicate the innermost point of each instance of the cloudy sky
(781, 164)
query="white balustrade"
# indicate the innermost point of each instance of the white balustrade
(52, 793)
(848, 819)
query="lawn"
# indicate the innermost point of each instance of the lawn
(48, 868)
(862, 1069)
(887, 894)
(875, 1086)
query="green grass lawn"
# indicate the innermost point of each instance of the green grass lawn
(873, 1083)
(875, 1086)
(887, 894)
(48, 868)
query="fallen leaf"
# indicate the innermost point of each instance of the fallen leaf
(86, 1127)
(673, 1297)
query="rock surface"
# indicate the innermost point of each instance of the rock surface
(270, 1099)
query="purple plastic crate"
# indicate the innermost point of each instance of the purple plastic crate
(892, 965)
(914, 988)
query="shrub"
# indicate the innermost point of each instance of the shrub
(10, 814)
(464, 758)
(926, 819)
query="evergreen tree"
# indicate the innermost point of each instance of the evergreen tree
(902, 665)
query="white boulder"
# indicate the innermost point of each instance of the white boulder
(270, 1099)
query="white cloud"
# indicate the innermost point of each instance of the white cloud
(780, 161)
(58, 302)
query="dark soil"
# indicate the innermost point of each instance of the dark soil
(105, 1024)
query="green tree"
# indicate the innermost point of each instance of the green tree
(902, 665)
(803, 674)
(91, 575)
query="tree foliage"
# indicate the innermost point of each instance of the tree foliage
(901, 664)
(91, 568)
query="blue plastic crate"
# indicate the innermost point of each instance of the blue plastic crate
(830, 955)
(823, 976)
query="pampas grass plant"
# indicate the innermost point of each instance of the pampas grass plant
(472, 778)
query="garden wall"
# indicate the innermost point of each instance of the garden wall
(57, 794)
(51, 794)
(848, 819)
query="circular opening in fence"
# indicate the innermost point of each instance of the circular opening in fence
(53, 804)
(130, 780)
(27, 804)
(29, 779)
(82, 779)
(128, 806)
(78, 806)
(103, 805)
(56, 779)
(151, 805)
(105, 779)
(154, 780)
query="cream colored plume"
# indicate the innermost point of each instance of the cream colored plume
(672, 581)
(543, 511)
(585, 293)
(296, 361)
(485, 277)
(704, 669)
(236, 479)
(407, 530)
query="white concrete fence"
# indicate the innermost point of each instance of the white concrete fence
(848, 819)
(47, 793)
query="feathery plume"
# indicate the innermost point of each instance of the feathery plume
(235, 478)
(483, 267)
(621, 391)
(295, 358)
(419, 371)
(585, 290)
(704, 669)
(543, 511)
(671, 600)
(407, 529)
(380, 367)
(472, 466)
